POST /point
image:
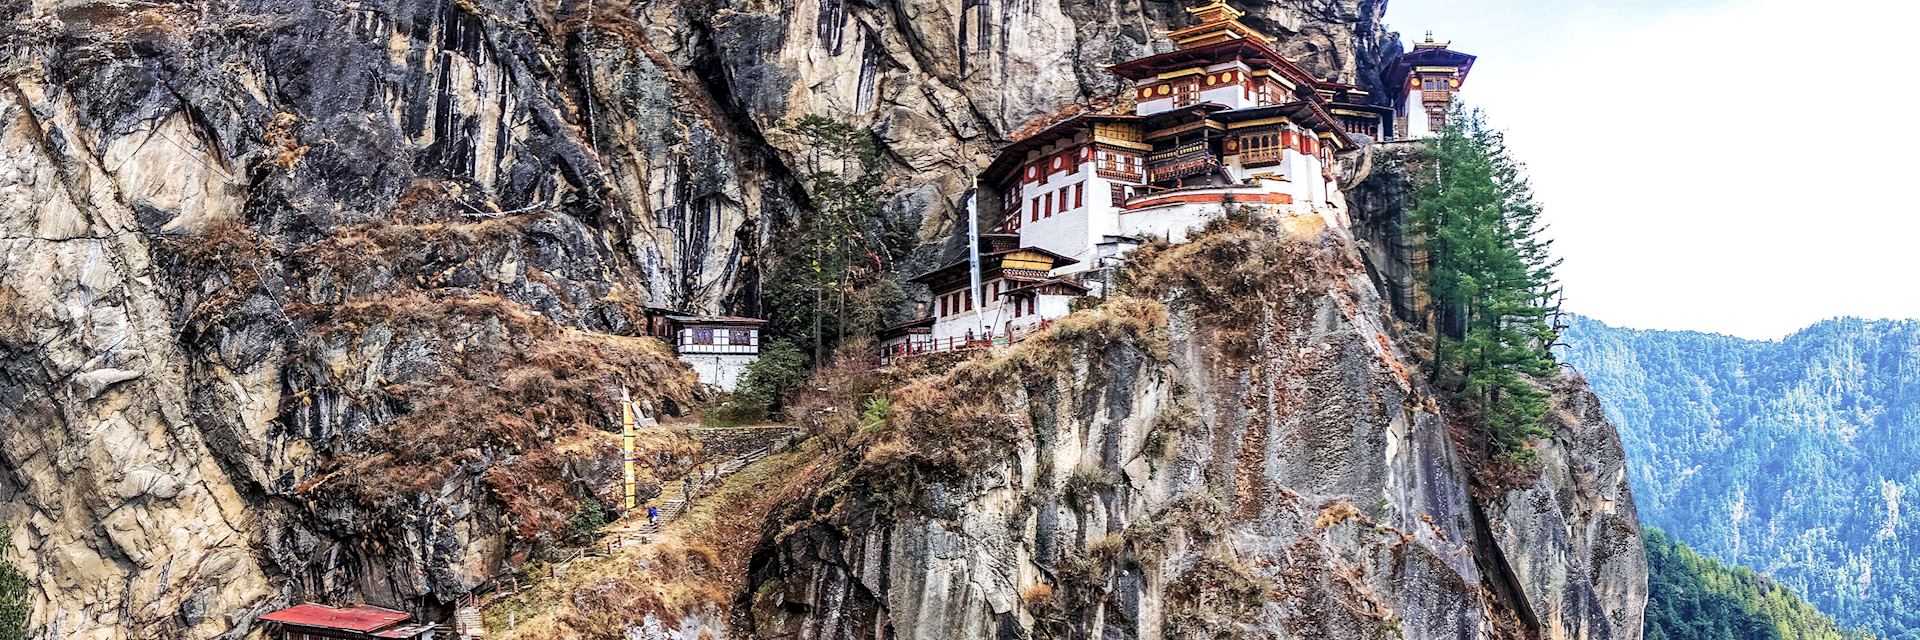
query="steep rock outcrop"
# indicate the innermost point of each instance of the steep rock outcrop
(1257, 458)
(323, 300)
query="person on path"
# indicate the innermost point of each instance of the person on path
(653, 515)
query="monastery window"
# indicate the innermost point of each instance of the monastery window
(1079, 194)
(1265, 93)
(703, 336)
(1186, 92)
(1046, 208)
(1433, 83)
(1036, 208)
(1072, 158)
(1063, 200)
(968, 300)
(1030, 300)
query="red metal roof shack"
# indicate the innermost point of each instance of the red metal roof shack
(353, 622)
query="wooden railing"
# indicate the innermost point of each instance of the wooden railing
(1257, 156)
(958, 343)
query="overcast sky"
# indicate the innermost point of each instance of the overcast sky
(1737, 166)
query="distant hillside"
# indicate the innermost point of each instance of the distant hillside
(1794, 457)
(1693, 597)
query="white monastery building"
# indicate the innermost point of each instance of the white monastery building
(719, 348)
(1222, 120)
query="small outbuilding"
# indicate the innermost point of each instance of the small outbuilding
(320, 622)
(719, 348)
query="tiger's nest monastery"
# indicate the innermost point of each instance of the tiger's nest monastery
(1221, 120)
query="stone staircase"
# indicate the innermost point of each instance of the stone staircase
(620, 535)
(671, 508)
(466, 623)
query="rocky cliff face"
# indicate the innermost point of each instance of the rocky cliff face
(1257, 457)
(324, 300)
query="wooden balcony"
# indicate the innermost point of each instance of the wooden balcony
(1256, 157)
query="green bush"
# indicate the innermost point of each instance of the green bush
(13, 596)
(780, 369)
(588, 519)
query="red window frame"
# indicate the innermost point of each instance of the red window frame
(1079, 194)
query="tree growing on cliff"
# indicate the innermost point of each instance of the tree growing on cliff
(13, 596)
(833, 279)
(1489, 277)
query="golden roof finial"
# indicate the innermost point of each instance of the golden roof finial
(1215, 11)
(1217, 21)
(1430, 43)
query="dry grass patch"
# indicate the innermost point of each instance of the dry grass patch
(694, 569)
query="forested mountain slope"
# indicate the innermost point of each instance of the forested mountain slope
(1693, 597)
(1793, 457)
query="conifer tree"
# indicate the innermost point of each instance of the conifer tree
(833, 278)
(1490, 278)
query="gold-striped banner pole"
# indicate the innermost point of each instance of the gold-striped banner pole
(627, 420)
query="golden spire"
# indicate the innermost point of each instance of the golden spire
(1218, 22)
(1430, 43)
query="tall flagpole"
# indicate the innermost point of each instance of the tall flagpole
(973, 242)
(627, 420)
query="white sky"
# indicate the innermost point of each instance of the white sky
(1738, 166)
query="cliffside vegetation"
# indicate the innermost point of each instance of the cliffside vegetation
(834, 279)
(1795, 457)
(1490, 279)
(13, 596)
(1693, 597)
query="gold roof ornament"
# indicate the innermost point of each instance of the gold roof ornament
(1429, 43)
(1219, 22)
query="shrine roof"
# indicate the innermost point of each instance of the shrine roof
(1246, 50)
(1396, 74)
(692, 319)
(1014, 154)
(1036, 284)
(361, 619)
(931, 277)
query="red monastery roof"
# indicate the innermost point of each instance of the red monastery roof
(1014, 154)
(362, 619)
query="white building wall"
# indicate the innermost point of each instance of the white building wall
(1156, 105)
(1417, 125)
(1046, 307)
(723, 370)
(1074, 232)
(1174, 222)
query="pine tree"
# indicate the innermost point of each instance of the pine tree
(834, 274)
(1489, 275)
